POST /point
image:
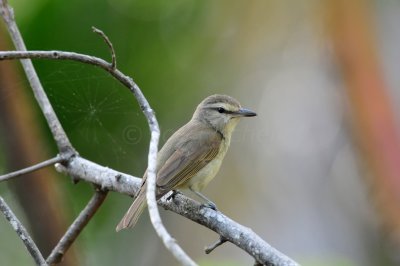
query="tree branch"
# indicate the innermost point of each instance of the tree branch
(104, 177)
(109, 44)
(77, 226)
(22, 233)
(32, 168)
(213, 246)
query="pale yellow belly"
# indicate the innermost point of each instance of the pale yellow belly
(207, 173)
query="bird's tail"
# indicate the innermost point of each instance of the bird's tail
(132, 215)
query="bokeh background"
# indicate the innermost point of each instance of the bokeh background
(316, 174)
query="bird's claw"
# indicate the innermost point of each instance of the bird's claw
(173, 195)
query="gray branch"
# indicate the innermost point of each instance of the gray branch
(213, 246)
(32, 168)
(77, 226)
(22, 233)
(109, 44)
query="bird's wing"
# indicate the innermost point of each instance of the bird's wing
(188, 160)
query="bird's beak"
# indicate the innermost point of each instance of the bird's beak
(245, 112)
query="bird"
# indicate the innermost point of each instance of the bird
(192, 156)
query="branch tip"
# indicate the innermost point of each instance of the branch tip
(109, 44)
(218, 243)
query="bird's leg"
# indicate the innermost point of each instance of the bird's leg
(209, 203)
(173, 194)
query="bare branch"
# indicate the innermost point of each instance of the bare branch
(22, 233)
(58, 132)
(218, 243)
(235, 233)
(109, 44)
(104, 177)
(77, 226)
(32, 168)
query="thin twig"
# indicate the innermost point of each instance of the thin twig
(77, 226)
(237, 234)
(109, 44)
(32, 168)
(22, 233)
(58, 132)
(218, 243)
(168, 241)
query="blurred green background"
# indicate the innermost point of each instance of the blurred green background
(300, 174)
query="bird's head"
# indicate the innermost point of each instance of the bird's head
(221, 112)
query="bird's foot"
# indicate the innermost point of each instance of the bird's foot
(210, 205)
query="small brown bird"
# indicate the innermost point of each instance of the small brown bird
(192, 156)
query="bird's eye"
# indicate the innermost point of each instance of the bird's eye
(221, 110)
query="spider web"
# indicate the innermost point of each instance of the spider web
(100, 117)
